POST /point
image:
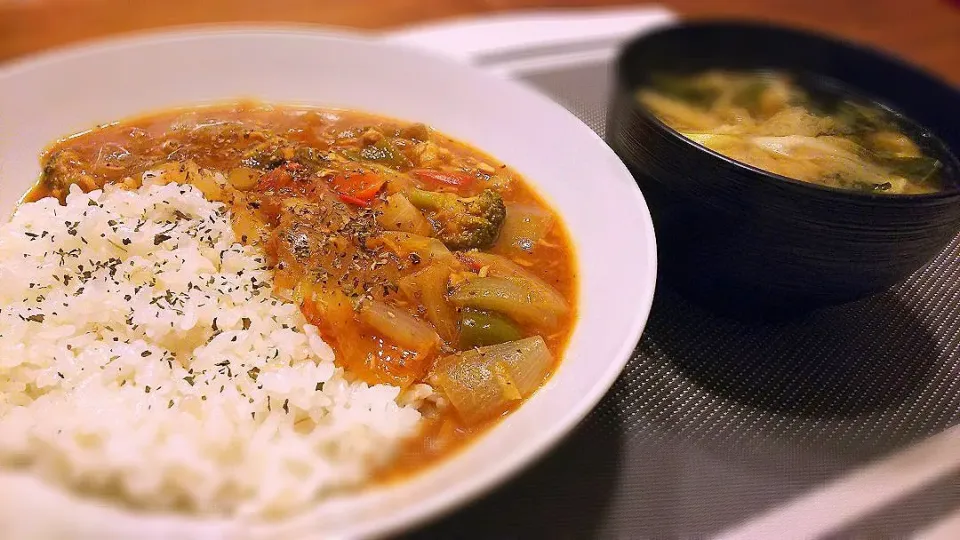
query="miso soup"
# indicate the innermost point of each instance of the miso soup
(813, 133)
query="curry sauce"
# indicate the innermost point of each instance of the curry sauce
(419, 258)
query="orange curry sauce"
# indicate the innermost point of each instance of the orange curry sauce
(309, 185)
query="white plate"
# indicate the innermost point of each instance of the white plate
(53, 95)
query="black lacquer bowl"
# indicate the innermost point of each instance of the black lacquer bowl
(748, 241)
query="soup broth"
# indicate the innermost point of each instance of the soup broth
(810, 132)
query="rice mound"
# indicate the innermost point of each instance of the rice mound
(142, 356)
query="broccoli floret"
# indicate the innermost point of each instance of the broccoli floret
(463, 223)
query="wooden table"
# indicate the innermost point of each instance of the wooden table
(924, 31)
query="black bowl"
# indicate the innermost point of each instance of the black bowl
(748, 241)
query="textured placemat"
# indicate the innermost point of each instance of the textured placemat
(714, 421)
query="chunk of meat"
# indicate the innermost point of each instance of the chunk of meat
(65, 168)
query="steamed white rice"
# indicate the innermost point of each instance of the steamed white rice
(142, 355)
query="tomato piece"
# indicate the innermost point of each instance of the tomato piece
(359, 186)
(445, 178)
(275, 180)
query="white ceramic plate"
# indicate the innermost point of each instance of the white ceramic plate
(49, 96)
